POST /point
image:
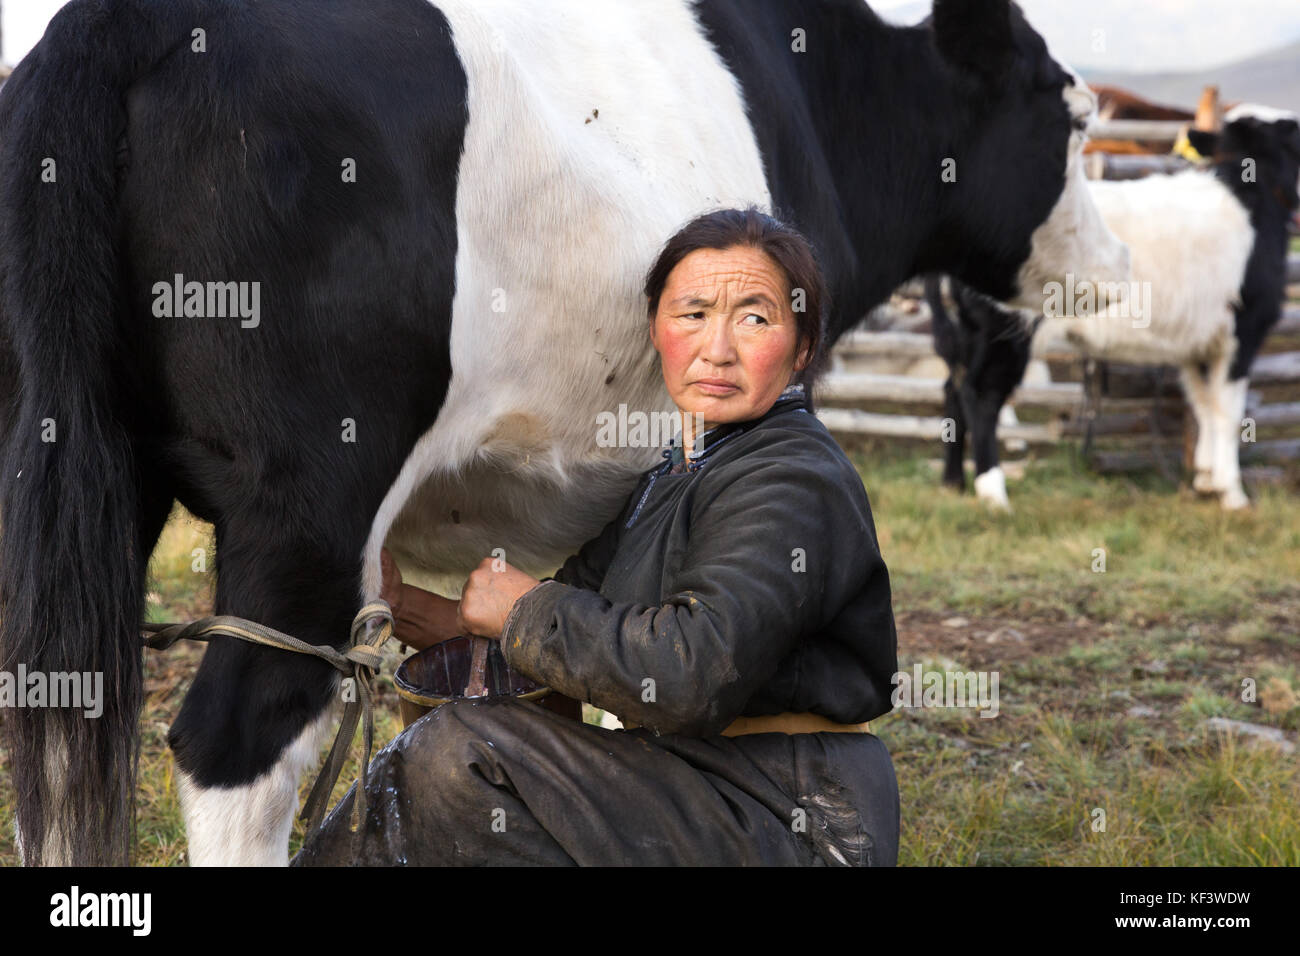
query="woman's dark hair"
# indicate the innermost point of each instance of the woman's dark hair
(787, 247)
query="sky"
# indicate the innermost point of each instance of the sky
(1124, 35)
(1147, 36)
(24, 22)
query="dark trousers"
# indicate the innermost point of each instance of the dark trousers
(507, 782)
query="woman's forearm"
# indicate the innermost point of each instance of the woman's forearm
(424, 618)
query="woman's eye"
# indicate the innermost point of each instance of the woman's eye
(755, 315)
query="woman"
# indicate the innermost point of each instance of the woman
(736, 615)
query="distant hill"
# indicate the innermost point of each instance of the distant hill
(1148, 35)
(1155, 47)
(1271, 78)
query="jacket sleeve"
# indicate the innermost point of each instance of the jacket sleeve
(758, 576)
(587, 568)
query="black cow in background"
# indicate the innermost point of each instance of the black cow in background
(987, 349)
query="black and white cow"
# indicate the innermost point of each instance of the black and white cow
(438, 216)
(987, 348)
(1209, 249)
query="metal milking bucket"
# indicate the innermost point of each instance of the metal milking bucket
(439, 673)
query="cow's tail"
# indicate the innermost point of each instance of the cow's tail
(72, 562)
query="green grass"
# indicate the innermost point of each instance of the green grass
(1192, 601)
(1092, 792)
(1167, 557)
(1102, 696)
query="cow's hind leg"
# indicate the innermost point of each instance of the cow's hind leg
(1001, 371)
(1232, 409)
(249, 824)
(990, 483)
(1219, 405)
(954, 471)
(256, 717)
(1196, 389)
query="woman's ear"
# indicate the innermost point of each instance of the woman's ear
(802, 359)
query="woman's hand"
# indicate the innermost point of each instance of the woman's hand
(489, 594)
(391, 590)
(420, 618)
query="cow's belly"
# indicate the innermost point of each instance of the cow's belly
(595, 132)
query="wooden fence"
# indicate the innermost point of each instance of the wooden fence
(844, 386)
(1137, 406)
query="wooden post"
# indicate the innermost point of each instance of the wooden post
(1209, 111)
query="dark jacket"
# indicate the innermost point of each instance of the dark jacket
(750, 583)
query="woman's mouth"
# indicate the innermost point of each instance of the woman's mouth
(716, 386)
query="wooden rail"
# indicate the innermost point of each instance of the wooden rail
(1275, 369)
(904, 389)
(1166, 131)
(1126, 166)
(1160, 419)
(852, 421)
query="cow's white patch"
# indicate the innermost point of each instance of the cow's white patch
(56, 850)
(250, 825)
(595, 132)
(1265, 114)
(1197, 388)
(1073, 240)
(1190, 239)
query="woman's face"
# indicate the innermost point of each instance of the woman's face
(726, 334)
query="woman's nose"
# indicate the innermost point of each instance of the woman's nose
(719, 347)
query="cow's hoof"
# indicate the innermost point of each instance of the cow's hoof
(1002, 507)
(1203, 483)
(991, 488)
(1234, 500)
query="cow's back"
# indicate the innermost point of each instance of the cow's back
(1189, 239)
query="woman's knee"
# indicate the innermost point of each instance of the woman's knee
(457, 729)
(857, 801)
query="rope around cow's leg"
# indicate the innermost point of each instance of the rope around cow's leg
(360, 662)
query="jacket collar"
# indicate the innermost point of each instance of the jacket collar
(791, 399)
